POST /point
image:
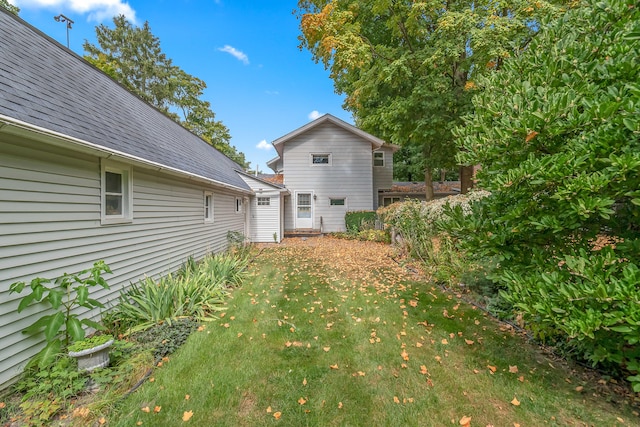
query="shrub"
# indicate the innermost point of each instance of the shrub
(357, 221)
(557, 134)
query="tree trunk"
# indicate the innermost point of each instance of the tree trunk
(466, 179)
(428, 181)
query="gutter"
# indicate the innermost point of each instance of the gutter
(7, 124)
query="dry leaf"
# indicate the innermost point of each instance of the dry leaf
(515, 402)
(326, 349)
(465, 421)
(139, 423)
(334, 366)
(339, 405)
(304, 381)
(413, 303)
(493, 369)
(269, 410)
(532, 134)
(423, 370)
(405, 355)
(102, 421)
(302, 401)
(444, 341)
(157, 409)
(469, 342)
(579, 388)
(513, 369)
(146, 409)
(395, 399)
(187, 397)
(187, 415)
(521, 378)
(277, 415)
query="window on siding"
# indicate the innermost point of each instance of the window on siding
(321, 159)
(208, 207)
(386, 201)
(336, 202)
(238, 205)
(116, 193)
(264, 201)
(378, 158)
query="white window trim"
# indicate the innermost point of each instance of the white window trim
(338, 198)
(127, 192)
(208, 211)
(329, 156)
(374, 159)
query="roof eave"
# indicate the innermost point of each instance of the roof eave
(20, 128)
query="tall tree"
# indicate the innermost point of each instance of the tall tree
(407, 66)
(11, 8)
(132, 56)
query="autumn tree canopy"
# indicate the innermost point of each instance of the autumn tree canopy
(407, 67)
(132, 56)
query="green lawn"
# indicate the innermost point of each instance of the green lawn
(336, 333)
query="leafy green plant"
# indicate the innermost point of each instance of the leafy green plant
(356, 221)
(557, 135)
(166, 338)
(88, 343)
(68, 292)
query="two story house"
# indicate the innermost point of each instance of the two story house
(330, 167)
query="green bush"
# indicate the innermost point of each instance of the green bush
(196, 291)
(557, 132)
(357, 221)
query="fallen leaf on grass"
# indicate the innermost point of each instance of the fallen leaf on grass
(157, 409)
(444, 341)
(187, 415)
(515, 402)
(413, 303)
(579, 388)
(102, 421)
(139, 423)
(302, 401)
(465, 421)
(469, 342)
(493, 369)
(277, 415)
(334, 366)
(521, 378)
(326, 349)
(395, 399)
(423, 370)
(339, 405)
(405, 355)
(3, 405)
(304, 381)
(269, 410)
(513, 369)
(146, 409)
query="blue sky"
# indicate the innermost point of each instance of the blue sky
(260, 84)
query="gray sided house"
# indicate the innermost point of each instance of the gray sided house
(89, 171)
(330, 167)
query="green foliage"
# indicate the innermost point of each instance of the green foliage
(198, 292)
(11, 8)
(88, 343)
(68, 293)
(367, 235)
(356, 221)
(166, 338)
(557, 133)
(422, 230)
(407, 67)
(132, 56)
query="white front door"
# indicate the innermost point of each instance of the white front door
(304, 210)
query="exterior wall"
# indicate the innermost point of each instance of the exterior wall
(348, 176)
(382, 175)
(264, 220)
(50, 224)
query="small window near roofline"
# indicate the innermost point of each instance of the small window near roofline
(208, 207)
(337, 201)
(378, 158)
(321, 159)
(116, 190)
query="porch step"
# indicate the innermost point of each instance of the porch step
(302, 233)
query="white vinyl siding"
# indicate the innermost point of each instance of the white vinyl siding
(265, 220)
(350, 174)
(50, 223)
(383, 175)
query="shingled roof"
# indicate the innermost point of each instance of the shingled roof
(47, 88)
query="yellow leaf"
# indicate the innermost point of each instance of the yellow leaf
(187, 397)
(465, 421)
(513, 369)
(334, 366)
(326, 349)
(413, 303)
(269, 410)
(362, 374)
(395, 399)
(304, 381)
(423, 370)
(277, 415)
(444, 341)
(418, 344)
(405, 355)
(339, 405)
(102, 421)
(139, 423)
(521, 378)
(3, 405)
(146, 409)
(187, 415)
(157, 409)
(302, 401)
(515, 402)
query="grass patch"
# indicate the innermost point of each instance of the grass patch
(330, 332)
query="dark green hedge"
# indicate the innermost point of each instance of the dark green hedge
(360, 220)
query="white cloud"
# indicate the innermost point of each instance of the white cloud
(272, 92)
(239, 55)
(96, 10)
(314, 115)
(264, 145)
